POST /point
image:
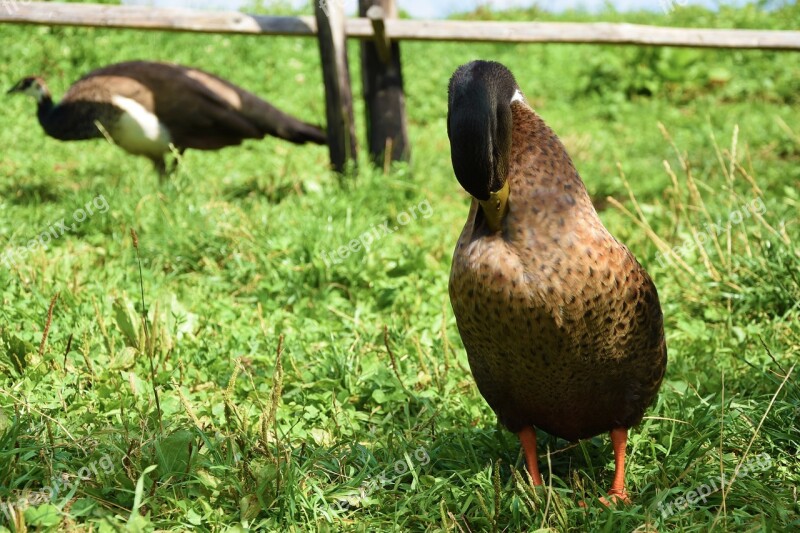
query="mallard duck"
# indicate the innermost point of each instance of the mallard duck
(562, 326)
(145, 107)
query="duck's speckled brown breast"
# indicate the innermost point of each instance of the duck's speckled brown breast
(562, 326)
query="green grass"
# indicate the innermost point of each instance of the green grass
(301, 396)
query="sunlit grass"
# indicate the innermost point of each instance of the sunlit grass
(304, 394)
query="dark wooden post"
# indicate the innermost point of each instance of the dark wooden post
(382, 80)
(336, 75)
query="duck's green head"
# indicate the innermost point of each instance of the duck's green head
(479, 127)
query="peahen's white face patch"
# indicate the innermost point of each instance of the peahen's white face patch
(139, 131)
(34, 90)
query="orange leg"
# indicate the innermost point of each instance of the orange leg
(619, 439)
(527, 438)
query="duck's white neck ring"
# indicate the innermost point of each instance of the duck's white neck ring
(518, 96)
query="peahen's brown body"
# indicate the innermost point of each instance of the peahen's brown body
(148, 108)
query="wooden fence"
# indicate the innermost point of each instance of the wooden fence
(380, 31)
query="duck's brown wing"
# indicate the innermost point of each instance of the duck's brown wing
(617, 328)
(643, 349)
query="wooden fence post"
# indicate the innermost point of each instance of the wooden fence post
(382, 80)
(336, 75)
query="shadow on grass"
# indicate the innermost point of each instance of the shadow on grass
(31, 193)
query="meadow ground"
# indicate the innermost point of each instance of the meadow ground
(301, 391)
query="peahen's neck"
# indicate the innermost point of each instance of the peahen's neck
(70, 121)
(44, 108)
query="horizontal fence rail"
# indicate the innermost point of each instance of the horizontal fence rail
(190, 20)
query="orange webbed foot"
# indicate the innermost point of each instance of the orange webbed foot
(615, 497)
(617, 493)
